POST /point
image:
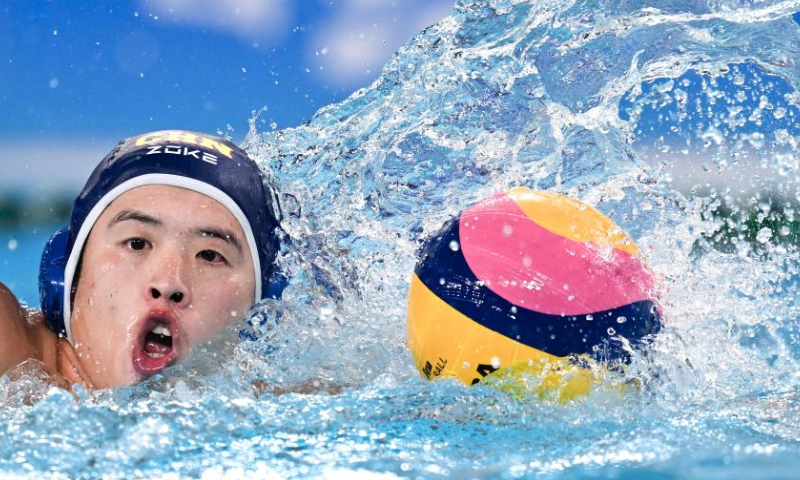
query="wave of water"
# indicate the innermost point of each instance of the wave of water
(602, 100)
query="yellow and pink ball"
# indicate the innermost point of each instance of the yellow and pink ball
(529, 282)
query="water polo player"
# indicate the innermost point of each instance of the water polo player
(171, 240)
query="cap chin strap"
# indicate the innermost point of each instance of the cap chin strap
(144, 180)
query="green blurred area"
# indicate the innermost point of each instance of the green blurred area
(755, 224)
(20, 212)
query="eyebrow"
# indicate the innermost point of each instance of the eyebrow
(136, 216)
(221, 234)
(213, 232)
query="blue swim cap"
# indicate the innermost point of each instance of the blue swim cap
(202, 163)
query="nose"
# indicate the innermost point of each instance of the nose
(168, 281)
(176, 296)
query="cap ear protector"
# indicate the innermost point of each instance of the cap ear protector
(51, 279)
(277, 284)
(209, 165)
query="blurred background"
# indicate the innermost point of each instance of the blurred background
(76, 77)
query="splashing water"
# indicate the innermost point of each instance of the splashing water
(613, 102)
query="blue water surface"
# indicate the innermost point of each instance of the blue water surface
(586, 98)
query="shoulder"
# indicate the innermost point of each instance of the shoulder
(16, 344)
(11, 313)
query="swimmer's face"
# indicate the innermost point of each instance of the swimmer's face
(163, 271)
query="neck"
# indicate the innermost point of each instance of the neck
(69, 366)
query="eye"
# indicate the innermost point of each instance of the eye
(211, 256)
(137, 243)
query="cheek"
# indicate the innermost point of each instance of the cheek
(224, 289)
(104, 264)
(108, 282)
(222, 302)
(105, 289)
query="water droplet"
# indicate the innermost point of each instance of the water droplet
(13, 244)
(764, 235)
(526, 261)
(507, 230)
(325, 312)
(589, 318)
(53, 83)
(621, 319)
(495, 362)
(234, 313)
(454, 246)
(442, 281)
(611, 331)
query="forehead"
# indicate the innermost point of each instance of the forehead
(174, 205)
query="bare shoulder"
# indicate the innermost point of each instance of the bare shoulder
(16, 344)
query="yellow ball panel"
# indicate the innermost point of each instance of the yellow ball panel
(447, 344)
(571, 219)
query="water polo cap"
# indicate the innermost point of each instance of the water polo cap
(205, 164)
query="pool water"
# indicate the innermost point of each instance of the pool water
(20, 252)
(612, 102)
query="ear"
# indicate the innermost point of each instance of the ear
(259, 317)
(51, 280)
(278, 282)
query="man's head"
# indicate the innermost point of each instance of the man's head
(171, 239)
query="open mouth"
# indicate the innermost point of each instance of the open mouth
(156, 345)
